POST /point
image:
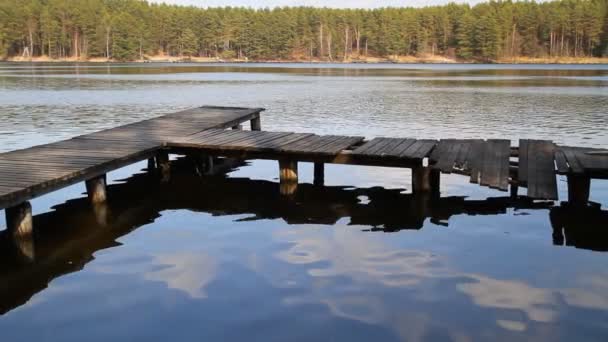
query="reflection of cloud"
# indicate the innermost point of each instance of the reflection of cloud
(511, 325)
(537, 303)
(368, 262)
(188, 272)
(360, 257)
(597, 298)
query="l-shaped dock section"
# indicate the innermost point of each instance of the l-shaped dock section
(207, 132)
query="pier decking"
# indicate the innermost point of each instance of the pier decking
(202, 132)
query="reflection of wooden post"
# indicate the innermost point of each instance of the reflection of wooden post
(578, 189)
(288, 176)
(419, 210)
(319, 174)
(162, 160)
(209, 166)
(256, 124)
(288, 189)
(101, 213)
(25, 248)
(19, 220)
(96, 189)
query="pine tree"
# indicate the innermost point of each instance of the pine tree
(464, 36)
(189, 43)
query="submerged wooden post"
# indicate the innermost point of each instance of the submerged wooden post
(288, 176)
(578, 189)
(319, 175)
(424, 179)
(19, 221)
(96, 189)
(256, 124)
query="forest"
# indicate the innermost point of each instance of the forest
(124, 30)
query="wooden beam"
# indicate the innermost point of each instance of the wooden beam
(19, 220)
(319, 174)
(237, 127)
(96, 189)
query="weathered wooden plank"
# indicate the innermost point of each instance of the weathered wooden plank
(403, 145)
(542, 184)
(363, 149)
(561, 161)
(522, 171)
(341, 144)
(277, 144)
(445, 154)
(387, 149)
(295, 146)
(573, 162)
(424, 149)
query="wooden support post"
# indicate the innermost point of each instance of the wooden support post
(514, 190)
(256, 124)
(151, 164)
(19, 220)
(162, 161)
(288, 176)
(96, 189)
(319, 175)
(578, 189)
(421, 179)
(288, 171)
(435, 182)
(237, 127)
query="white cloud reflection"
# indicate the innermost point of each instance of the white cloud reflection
(188, 272)
(368, 263)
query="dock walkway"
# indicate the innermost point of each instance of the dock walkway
(202, 133)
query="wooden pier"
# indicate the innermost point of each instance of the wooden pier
(216, 131)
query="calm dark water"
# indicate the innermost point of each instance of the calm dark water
(226, 257)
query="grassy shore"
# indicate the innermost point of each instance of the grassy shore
(428, 59)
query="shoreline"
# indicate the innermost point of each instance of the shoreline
(368, 60)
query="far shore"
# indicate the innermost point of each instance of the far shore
(429, 59)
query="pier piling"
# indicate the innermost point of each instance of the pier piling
(19, 220)
(256, 124)
(319, 174)
(96, 189)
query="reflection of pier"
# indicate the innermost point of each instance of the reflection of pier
(65, 239)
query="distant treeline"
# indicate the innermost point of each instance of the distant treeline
(131, 29)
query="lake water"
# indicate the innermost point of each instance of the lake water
(226, 257)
